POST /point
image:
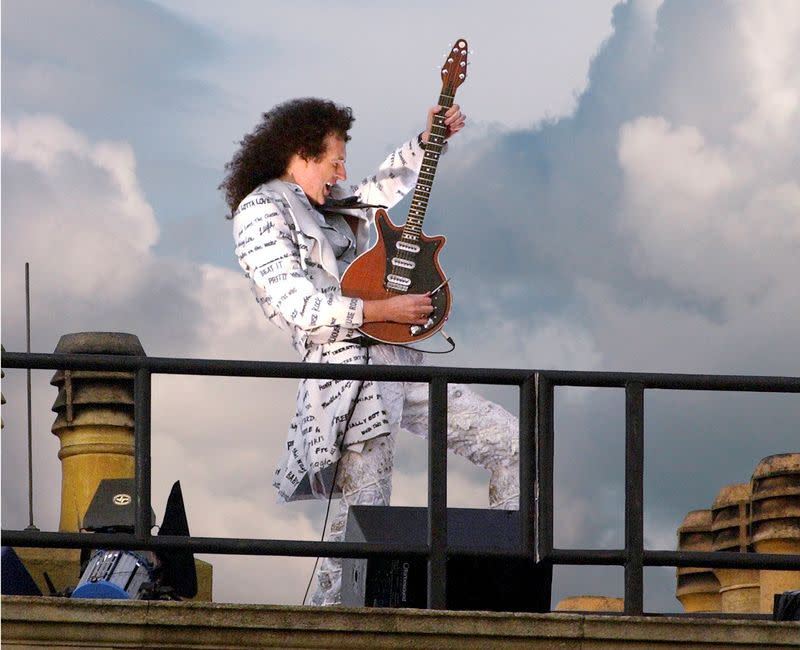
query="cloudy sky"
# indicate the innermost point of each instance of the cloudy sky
(626, 197)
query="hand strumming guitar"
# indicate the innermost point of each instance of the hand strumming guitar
(412, 308)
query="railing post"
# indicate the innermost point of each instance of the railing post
(437, 493)
(544, 466)
(634, 498)
(527, 468)
(141, 423)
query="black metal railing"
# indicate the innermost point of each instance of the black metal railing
(536, 409)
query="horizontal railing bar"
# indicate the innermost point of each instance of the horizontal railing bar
(674, 381)
(299, 370)
(493, 551)
(584, 556)
(212, 545)
(223, 545)
(122, 541)
(723, 560)
(274, 369)
(717, 560)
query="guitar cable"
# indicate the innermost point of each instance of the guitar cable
(448, 338)
(324, 525)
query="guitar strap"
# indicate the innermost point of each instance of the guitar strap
(338, 206)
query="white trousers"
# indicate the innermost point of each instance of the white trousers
(477, 429)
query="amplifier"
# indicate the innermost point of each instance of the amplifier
(786, 606)
(473, 583)
(16, 581)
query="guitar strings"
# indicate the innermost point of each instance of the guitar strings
(430, 161)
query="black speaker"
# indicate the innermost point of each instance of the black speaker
(15, 577)
(786, 606)
(473, 583)
(112, 509)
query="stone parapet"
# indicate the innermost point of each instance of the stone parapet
(62, 623)
(588, 603)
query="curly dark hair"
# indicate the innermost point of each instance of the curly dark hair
(298, 126)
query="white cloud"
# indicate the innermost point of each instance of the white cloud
(703, 218)
(770, 40)
(667, 164)
(544, 342)
(85, 213)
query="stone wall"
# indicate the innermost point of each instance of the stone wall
(62, 623)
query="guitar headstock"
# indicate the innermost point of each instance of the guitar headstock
(454, 70)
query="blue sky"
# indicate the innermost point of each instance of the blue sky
(626, 197)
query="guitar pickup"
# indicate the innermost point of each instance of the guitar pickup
(397, 282)
(406, 247)
(403, 263)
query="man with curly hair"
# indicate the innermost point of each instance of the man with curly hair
(294, 251)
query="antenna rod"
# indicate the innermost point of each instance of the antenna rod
(30, 431)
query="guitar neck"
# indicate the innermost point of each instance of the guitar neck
(433, 149)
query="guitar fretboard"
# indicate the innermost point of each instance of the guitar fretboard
(422, 191)
(404, 260)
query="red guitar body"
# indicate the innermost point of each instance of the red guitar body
(366, 278)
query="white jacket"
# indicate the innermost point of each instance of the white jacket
(293, 271)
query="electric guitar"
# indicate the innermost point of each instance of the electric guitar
(404, 259)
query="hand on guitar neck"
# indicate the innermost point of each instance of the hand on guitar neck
(454, 121)
(411, 309)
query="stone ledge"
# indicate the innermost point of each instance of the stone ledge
(29, 622)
